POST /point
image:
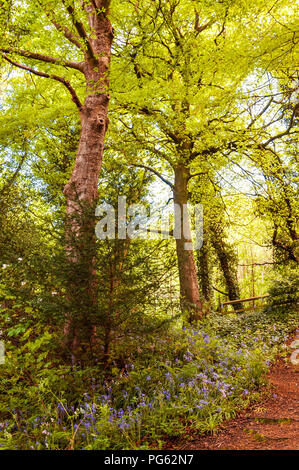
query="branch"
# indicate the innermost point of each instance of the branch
(15, 174)
(43, 58)
(155, 172)
(65, 31)
(258, 264)
(80, 29)
(288, 249)
(199, 28)
(198, 174)
(62, 29)
(208, 151)
(260, 113)
(153, 230)
(286, 132)
(220, 291)
(151, 149)
(168, 132)
(46, 75)
(222, 31)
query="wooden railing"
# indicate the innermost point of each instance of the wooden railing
(223, 305)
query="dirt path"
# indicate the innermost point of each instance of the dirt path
(271, 424)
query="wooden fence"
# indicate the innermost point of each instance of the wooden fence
(257, 302)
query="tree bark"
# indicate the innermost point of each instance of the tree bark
(189, 291)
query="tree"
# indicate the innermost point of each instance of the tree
(133, 273)
(204, 270)
(180, 110)
(85, 32)
(208, 193)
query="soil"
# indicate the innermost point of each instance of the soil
(270, 424)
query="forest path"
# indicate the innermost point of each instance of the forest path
(270, 424)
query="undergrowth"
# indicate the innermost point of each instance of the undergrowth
(184, 378)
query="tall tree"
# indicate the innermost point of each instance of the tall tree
(186, 61)
(81, 31)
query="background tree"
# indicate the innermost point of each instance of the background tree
(134, 297)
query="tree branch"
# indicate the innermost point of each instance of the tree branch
(43, 58)
(222, 31)
(65, 31)
(258, 264)
(153, 171)
(62, 80)
(286, 132)
(62, 29)
(80, 29)
(260, 113)
(199, 28)
(15, 174)
(198, 174)
(220, 291)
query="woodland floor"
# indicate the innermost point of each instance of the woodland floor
(270, 424)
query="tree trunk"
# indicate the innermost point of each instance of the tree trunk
(189, 291)
(204, 272)
(82, 189)
(227, 270)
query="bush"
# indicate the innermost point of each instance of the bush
(284, 290)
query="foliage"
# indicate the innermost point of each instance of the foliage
(284, 290)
